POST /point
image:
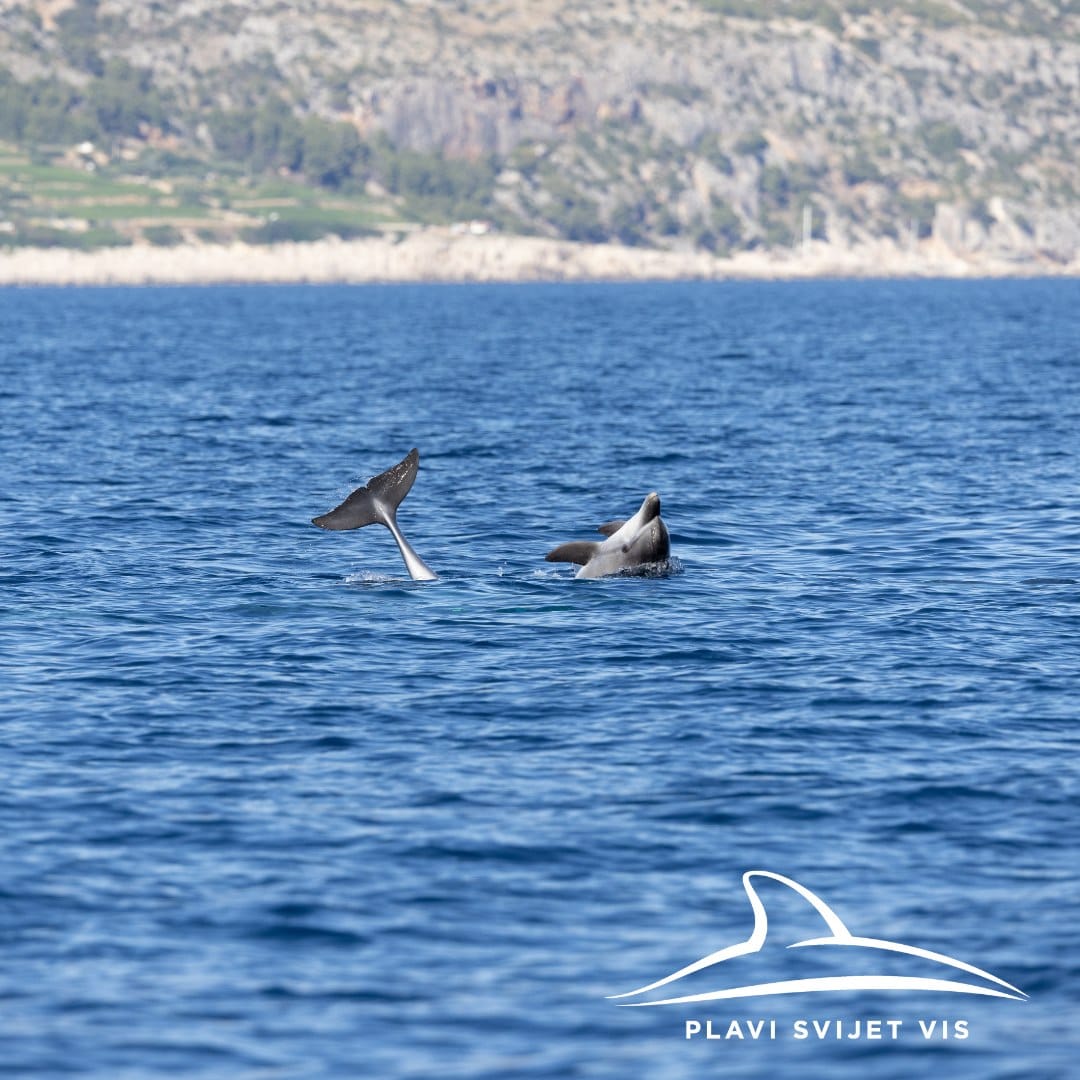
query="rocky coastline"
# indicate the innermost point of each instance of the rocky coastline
(440, 255)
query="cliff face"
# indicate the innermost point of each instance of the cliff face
(676, 124)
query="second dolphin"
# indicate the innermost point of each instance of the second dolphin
(630, 545)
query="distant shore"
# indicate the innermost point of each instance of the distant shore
(440, 255)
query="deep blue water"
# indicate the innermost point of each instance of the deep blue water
(270, 809)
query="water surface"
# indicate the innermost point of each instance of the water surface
(271, 809)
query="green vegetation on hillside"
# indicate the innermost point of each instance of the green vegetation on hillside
(325, 160)
(49, 111)
(71, 205)
(323, 167)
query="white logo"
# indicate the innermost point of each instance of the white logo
(838, 935)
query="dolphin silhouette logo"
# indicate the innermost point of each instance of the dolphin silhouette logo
(838, 935)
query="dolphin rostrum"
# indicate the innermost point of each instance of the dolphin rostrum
(641, 540)
(376, 503)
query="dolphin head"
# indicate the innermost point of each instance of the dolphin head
(629, 530)
(648, 542)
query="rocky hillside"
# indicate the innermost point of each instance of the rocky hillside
(670, 123)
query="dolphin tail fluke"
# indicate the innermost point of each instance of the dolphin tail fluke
(376, 503)
(392, 486)
(380, 496)
(577, 551)
(355, 512)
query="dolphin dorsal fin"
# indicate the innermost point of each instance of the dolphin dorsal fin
(367, 505)
(576, 551)
(610, 528)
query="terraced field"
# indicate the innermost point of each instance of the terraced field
(87, 202)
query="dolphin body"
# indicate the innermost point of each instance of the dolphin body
(631, 544)
(376, 503)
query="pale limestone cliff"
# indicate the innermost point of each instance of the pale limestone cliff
(438, 255)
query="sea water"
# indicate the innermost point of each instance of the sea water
(271, 809)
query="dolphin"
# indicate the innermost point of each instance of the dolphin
(376, 503)
(838, 936)
(637, 542)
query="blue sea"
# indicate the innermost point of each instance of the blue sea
(270, 809)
